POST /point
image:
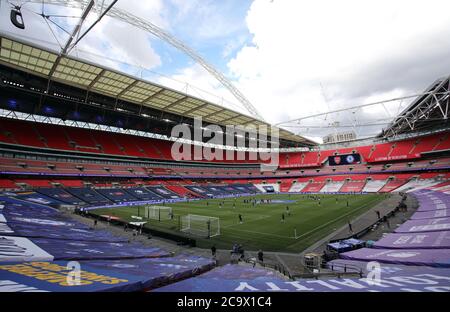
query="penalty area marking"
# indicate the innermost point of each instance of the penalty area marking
(254, 220)
(330, 222)
(261, 233)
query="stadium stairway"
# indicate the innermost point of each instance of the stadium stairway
(441, 186)
(392, 185)
(352, 187)
(416, 184)
(332, 187)
(373, 186)
(285, 185)
(298, 187)
(313, 187)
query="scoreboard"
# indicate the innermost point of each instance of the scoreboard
(342, 160)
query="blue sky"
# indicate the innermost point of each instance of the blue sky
(215, 29)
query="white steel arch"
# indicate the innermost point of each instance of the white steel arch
(147, 26)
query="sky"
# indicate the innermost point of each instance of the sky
(290, 58)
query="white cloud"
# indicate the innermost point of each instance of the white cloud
(196, 81)
(151, 10)
(122, 42)
(358, 50)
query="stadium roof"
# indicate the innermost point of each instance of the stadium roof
(41, 61)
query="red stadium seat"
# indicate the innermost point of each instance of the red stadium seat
(7, 184)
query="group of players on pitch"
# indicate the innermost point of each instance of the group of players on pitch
(254, 202)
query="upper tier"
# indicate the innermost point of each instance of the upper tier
(54, 137)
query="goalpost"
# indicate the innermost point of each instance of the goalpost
(158, 213)
(200, 225)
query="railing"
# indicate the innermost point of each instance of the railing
(347, 269)
(272, 266)
(343, 270)
(337, 270)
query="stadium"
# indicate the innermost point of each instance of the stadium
(111, 182)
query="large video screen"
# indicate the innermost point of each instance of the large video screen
(342, 160)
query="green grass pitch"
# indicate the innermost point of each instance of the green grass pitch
(262, 227)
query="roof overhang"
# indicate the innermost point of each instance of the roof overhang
(430, 111)
(41, 61)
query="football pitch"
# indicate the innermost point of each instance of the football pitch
(309, 219)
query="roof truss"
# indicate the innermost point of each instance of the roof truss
(429, 111)
(95, 78)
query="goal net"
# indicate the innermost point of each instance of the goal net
(200, 225)
(158, 213)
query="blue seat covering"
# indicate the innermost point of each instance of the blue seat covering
(236, 278)
(75, 250)
(88, 195)
(216, 190)
(117, 195)
(231, 190)
(199, 190)
(142, 193)
(35, 253)
(157, 272)
(228, 278)
(163, 192)
(246, 188)
(53, 277)
(98, 275)
(38, 198)
(22, 219)
(61, 195)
